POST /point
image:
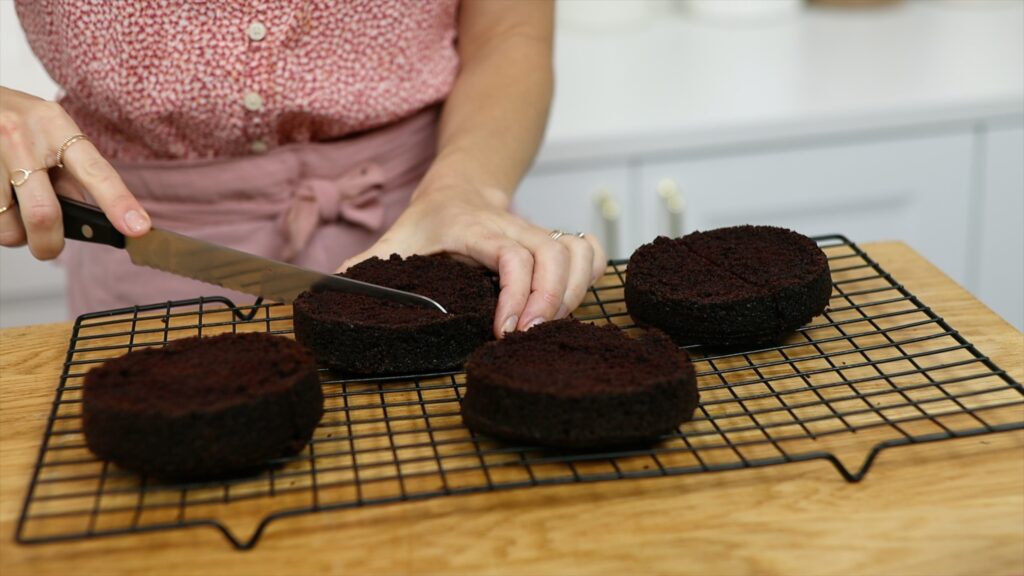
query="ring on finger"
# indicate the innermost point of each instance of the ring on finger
(67, 144)
(18, 181)
(11, 204)
(556, 234)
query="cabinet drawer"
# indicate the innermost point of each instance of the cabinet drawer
(586, 200)
(914, 189)
(31, 292)
(999, 267)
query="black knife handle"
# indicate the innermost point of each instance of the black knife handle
(86, 223)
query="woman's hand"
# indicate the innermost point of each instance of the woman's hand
(31, 131)
(490, 129)
(541, 278)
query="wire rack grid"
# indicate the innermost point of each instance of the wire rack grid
(879, 369)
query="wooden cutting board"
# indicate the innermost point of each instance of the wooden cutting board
(949, 507)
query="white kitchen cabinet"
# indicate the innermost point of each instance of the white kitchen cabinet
(916, 189)
(31, 292)
(997, 274)
(592, 200)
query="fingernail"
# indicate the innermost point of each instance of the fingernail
(510, 324)
(534, 322)
(136, 221)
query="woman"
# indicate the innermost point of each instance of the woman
(301, 130)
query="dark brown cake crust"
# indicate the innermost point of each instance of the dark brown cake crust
(202, 408)
(363, 335)
(742, 286)
(569, 384)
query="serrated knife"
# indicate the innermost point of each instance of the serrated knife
(213, 264)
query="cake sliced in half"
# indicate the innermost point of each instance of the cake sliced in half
(364, 335)
(742, 286)
(202, 408)
(569, 384)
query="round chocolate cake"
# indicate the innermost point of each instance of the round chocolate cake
(569, 384)
(360, 334)
(203, 407)
(741, 286)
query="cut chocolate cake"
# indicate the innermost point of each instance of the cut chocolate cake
(202, 408)
(742, 286)
(360, 334)
(569, 384)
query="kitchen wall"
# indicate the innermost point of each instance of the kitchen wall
(904, 121)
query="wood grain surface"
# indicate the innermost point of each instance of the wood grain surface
(950, 507)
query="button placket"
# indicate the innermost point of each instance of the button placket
(252, 100)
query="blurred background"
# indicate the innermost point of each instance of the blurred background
(874, 119)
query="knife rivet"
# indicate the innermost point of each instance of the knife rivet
(86, 230)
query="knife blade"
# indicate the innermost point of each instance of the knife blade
(219, 265)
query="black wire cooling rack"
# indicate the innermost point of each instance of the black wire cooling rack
(878, 370)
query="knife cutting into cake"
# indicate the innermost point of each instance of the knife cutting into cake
(217, 265)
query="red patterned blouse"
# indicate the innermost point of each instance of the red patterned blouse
(170, 79)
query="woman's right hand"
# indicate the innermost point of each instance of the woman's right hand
(31, 131)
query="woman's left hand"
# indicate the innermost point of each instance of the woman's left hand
(541, 278)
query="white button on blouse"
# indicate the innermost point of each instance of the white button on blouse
(257, 31)
(253, 102)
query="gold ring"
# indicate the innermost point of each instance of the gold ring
(14, 202)
(65, 145)
(23, 178)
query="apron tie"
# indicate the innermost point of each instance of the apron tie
(353, 197)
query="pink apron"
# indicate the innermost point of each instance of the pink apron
(312, 204)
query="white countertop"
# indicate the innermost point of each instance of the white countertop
(673, 81)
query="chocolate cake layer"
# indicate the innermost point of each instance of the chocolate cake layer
(203, 407)
(569, 384)
(363, 335)
(742, 286)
